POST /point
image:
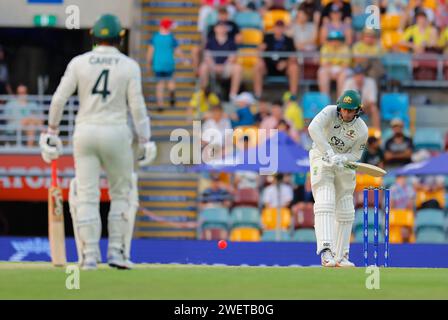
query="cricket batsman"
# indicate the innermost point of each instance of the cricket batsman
(339, 136)
(109, 89)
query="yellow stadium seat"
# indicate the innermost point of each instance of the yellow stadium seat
(269, 218)
(390, 22)
(395, 235)
(245, 234)
(364, 181)
(430, 4)
(240, 132)
(247, 57)
(374, 132)
(389, 39)
(251, 37)
(272, 16)
(423, 196)
(401, 218)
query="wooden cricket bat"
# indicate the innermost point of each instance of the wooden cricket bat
(56, 233)
(368, 169)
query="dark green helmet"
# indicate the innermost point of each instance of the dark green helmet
(350, 99)
(106, 27)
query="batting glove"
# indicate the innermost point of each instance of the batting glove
(339, 160)
(147, 153)
(50, 146)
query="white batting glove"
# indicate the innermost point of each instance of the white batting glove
(50, 146)
(147, 153)
(339, 160)
(327, 158)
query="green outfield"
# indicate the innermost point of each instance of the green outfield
(41, 281)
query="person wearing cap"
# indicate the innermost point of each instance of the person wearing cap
(421, 36)
(109, 87)
(334, 22)
(334, 63)
(274, 65)
(243, 115)
(339, 136)
(398, 148)
(367, 52)
(220, 60)
(160, 58)
(369, 93)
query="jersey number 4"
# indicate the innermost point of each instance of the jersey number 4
(101, 85)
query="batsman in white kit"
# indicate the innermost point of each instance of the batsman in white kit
(109, 89)
(339, 136)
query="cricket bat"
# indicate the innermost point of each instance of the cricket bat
(368, 169)
(56, 233)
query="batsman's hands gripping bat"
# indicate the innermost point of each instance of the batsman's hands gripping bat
(50, 145)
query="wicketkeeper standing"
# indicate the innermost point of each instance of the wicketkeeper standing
(109, 87)
(338, 135)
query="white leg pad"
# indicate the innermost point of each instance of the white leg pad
(324, 208)
(345, 215)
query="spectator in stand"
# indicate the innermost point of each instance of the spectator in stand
(402, 194)
(272, 121)
(369, 45)
(207, 7)
(373, 153)
(277, 194)
(284, 126)
(312, 9)
(443, 41)
(303, 32)
(336, 23)
(275, 65)
(23, 115)
(162, 49)
(215, 132)
(246, 179)
(393, 7)
(243, 115)
(233, 31)
(399, 148)
(263, 111)
(216, 195)
(293, 113)
(441, 19)
(201, 102)
(334, 63)
(414, 7)
(421, 36)
(5, 87)
(344, 7)
(226, 65)
(368, 89)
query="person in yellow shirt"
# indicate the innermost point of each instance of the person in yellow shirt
(443, 41)
(421, 36)
(334, 62)
(201, 101)
(369, 46)
(293, 112)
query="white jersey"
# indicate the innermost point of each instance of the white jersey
(328, 131)
(107, 82)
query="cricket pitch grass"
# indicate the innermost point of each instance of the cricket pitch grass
(188, 282)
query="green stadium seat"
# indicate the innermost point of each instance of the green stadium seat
(429, 235)
(428, 138)
(358, 224)
(304, 235)
(245, 217)
(433, 219)
(248, 19)
(395, 105)
(313, 103)
(398, 66)
(359, 235)
(214, 218)
(271, 235)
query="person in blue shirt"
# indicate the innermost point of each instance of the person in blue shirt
(243, 115)
(162, 49)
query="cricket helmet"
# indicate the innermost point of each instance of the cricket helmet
(351, 100)
(107, 27)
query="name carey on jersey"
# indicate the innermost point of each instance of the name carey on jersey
(109, 61)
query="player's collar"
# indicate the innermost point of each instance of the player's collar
(105, 49)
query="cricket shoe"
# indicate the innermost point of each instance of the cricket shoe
(89, 263)
(327, 259)
(344, 262)
(117, 260)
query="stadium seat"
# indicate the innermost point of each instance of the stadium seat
(310, 68)
(246, 197)
(251, 38)
(395, 105)
(425, 68)
(271, 235)
(433, 219)
(390, 22)
(303, 218)
(245, 217)
(248, 19)
(401, 218)
(428, 138)
(359, 236)
(269, 218)
(430, 236)
(214, 218)
(358, 224)
(212, 19)
(214, 234)
(398, 66)
(313, 103)
(430, 4)
(272, 16)
(374, 132)
(250, 131)
(304, 235)
(423, 196)
(245, 234)
(388, 180)
(395, 235)
(359, 22)
(391, 39)
(364, 181)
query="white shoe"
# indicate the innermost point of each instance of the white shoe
(117, 260)
(327, 259)
(89, 263)
(345, 263)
